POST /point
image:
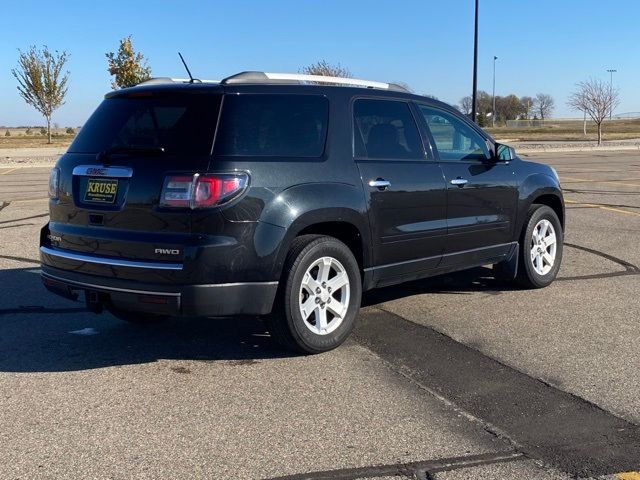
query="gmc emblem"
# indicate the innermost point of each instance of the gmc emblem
(96, 171)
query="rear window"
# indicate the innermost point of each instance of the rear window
(273, 125)
(181, 124)
(385, 129)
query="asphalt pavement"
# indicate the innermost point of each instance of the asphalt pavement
(459, 376)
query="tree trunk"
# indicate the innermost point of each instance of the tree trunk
(600, 133)
(584, 124)
(49, 128)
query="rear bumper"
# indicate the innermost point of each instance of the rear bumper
(226, 299)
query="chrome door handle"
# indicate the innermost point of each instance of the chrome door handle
(461, 182)
(380, 183)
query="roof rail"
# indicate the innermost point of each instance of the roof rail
(263, 77)
(160, 80)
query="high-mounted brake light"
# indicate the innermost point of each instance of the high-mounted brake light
(201, 191)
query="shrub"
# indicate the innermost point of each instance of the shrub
(28, 131)
(43, 131)
(71, 131)
(7, 133)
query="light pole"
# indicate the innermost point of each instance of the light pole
(493, 116)
(475, 67)
(611, 71)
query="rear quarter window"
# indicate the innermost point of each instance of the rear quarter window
(268, 125)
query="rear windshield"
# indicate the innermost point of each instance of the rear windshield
(273, 125)
(181, 124)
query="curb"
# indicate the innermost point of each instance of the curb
(555, 149)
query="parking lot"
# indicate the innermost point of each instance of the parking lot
(458, 376)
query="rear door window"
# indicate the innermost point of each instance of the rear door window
(181, 124)
(385, 129)
(273, 125)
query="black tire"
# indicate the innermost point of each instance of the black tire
(286, 324)
(138, 318)
(527, 276)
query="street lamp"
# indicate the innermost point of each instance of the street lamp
(475, 67)
(611, 71)
(493, 117)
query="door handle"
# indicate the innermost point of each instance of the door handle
(379, 183)
(461, 182)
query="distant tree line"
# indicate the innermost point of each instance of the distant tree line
(42, 83)
(510, 107)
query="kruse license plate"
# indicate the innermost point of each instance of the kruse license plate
(101, 190)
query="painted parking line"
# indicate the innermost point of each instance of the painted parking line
(10, 170)
(584, 180)
(628, 476)
(602, 207)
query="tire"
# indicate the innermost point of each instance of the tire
(138, 318)
(330, 312)
(535, 270)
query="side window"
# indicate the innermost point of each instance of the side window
(455, 140)
(273, 125)
(385, 129)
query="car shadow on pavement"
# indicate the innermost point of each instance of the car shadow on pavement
(40, 332)
(467, 282)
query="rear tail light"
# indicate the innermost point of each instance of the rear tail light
(54, 183)
(200, 191)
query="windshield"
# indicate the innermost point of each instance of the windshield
(180, 124)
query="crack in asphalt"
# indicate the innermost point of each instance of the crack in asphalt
(420, 469)
(542, 421)
(629, 268)
(599, 192)
(18, 225)
(20, 259)
(4, 205)
(25, 218)
(610, 205)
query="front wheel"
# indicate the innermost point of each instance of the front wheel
(319, 296)
(541, 248)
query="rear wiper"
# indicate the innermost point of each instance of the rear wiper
(129, 150)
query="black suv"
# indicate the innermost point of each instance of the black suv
(281, 195)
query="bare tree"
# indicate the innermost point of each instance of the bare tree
(507, 108)
(41, 80)
(128, 67)
(595, 98)
(404, 85)
(325, 69)
(544, 105)
(526, 107)
(466, 104)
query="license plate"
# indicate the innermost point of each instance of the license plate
(101, 190)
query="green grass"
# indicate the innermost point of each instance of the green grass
(34, 141)
(569, 131)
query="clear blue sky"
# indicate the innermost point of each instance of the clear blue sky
(542, 45)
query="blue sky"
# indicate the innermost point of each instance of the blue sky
(542, 45)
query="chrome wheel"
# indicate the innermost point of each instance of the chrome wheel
(324, 295)
(543, 247)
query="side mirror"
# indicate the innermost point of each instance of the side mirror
(504, 153)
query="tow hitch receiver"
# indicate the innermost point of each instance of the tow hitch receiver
(95, 300)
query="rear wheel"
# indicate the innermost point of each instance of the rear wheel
(319, 296)
(541, 245)
(139, 318)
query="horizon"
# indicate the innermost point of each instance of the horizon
(431, 50)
